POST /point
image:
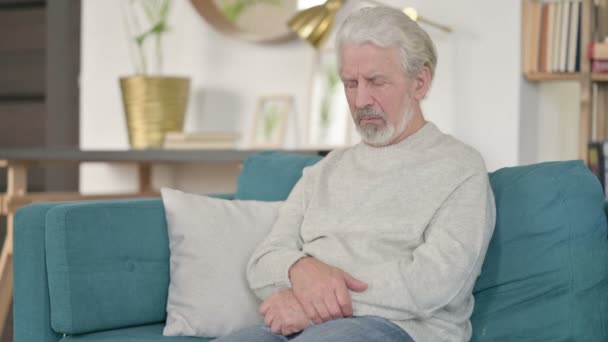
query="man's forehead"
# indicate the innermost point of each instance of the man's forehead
(370, 72)
(368, 59)
(368, 49)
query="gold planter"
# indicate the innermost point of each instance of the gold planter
(153, 107)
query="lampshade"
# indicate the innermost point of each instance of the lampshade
(314, 24)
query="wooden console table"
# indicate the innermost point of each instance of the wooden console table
(17, 161)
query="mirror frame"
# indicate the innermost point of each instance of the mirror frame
(210, 12)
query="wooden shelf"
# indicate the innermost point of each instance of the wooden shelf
(552, 76)
(599, 76)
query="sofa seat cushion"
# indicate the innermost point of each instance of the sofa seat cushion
(144, 333)
(545, 276)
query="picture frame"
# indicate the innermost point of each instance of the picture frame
(329, 122)
(270, 121)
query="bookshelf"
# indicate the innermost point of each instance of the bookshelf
(593, 17)
(551, 76)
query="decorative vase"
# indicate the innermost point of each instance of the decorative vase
(154, 105)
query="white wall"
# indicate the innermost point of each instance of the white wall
(559, 114)
(550, 120)
(483, 64)
(476, 94)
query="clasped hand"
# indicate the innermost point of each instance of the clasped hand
(319, 294)
(283, 313)
(323, 290)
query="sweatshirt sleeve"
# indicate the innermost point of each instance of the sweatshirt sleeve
(446, 265)
(268, 267)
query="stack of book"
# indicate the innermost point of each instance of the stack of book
(200, 140)
(598, 53)
(551, 36)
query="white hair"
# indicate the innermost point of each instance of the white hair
(387, 27)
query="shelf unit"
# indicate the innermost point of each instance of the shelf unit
(584, 77)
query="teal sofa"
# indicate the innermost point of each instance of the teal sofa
(99, 271)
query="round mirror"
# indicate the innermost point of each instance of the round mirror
(252, 20)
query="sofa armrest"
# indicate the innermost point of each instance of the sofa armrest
(31, 307)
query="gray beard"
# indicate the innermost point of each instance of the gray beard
(380, 135)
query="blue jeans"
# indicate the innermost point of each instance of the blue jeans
(361, 328)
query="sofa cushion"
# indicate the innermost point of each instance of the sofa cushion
(270, 176)
(546, 271)
(107, 264)
(211, 241)
(145, 333)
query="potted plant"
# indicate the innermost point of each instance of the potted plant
(154, 104)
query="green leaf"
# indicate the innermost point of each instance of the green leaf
(149, 10)
(164, 10)
(154, 14)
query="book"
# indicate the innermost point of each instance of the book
(544, 38)
(563, 36)
(573, 37)
(556, 35)
(201, 136)
(550, 33)
(531, 35)
(535, 36)
(578, 38)
(199, 145)
(200, 140)
(598, 50)
(599, 65)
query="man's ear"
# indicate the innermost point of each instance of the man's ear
(422, 83)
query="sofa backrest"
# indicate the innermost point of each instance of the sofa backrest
(270, 176)
(546, 267)
(546, 270)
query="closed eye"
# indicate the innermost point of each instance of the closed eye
(350, 84)
(377, 81)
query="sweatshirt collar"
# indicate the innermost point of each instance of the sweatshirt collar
(416, 141)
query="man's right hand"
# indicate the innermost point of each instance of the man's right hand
(322, 290)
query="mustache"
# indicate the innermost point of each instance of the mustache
(369, 113)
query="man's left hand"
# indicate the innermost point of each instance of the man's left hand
(284, 314)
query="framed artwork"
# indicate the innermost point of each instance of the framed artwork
(329, 123)
(270, 121)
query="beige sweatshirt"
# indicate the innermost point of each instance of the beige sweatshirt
(413, 220)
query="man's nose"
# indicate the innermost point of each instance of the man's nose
(364, 98)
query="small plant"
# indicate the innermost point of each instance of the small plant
(147, 19)
(272, 118)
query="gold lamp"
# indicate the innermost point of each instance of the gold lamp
(314, 24)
